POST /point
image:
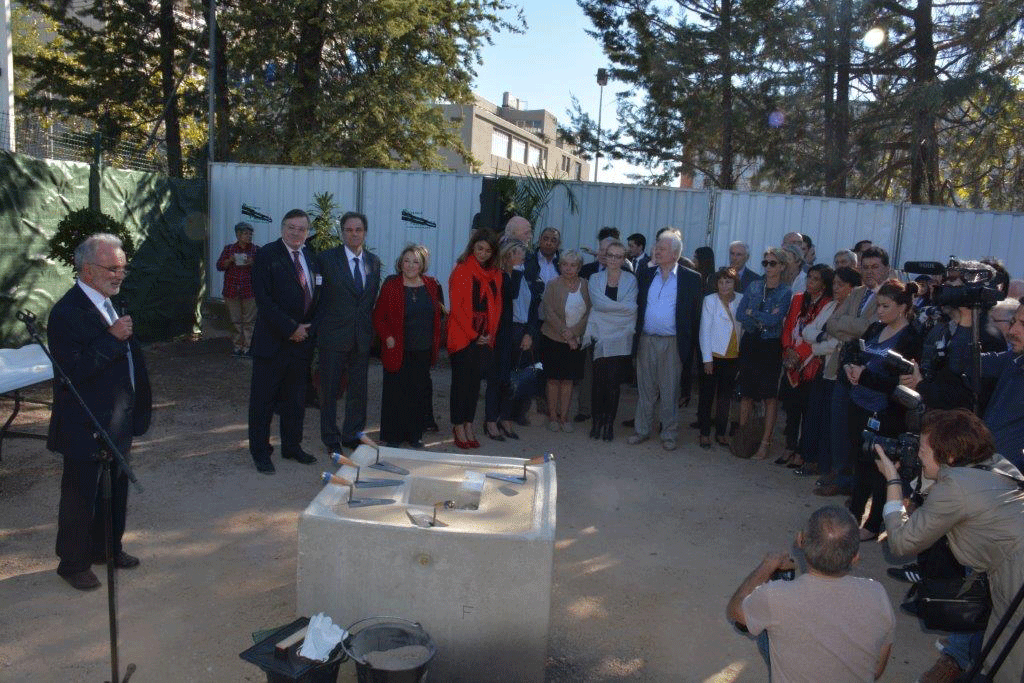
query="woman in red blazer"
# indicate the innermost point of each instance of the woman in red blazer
(474, 290)
(407, 318)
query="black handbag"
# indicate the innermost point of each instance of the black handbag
(947, 598)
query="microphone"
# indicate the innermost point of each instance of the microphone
(924, 267)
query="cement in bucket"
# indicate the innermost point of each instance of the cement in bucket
(389, 650)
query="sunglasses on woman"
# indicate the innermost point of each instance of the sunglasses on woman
(765, 264)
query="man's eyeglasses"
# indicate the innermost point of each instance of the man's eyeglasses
(765, 264)
(114, 270)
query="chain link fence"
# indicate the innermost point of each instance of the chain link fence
(59, 141)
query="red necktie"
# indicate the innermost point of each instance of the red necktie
(301, 274)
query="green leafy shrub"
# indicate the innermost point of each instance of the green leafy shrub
(77, 225)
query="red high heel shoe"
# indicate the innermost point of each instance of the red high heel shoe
(461, 444)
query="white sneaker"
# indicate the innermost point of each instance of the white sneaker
(554, 426)
(567, 427)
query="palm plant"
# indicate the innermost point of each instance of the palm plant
(529, 195)
(324, 218)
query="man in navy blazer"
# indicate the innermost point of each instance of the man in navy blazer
(739, 254)
(285, 282)
(344, 331)
(97, 350)
(668, 306)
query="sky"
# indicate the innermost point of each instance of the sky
(546, 65)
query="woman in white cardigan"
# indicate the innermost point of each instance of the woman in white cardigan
(719, 347)
(610, 328)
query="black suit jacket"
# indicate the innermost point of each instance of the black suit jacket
(688, 304)
(279, 300)
(344, 318)
(97, 364)
(745, 279)
(531, 266)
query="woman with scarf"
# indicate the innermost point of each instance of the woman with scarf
(610, 328)
(801, 365)
(474, 290)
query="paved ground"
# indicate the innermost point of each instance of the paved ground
(649, 546)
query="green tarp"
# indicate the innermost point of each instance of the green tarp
(167, 218)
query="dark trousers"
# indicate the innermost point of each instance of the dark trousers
(334, 363)
(816, 441)
(404, 393)
(868, 482)
(507, 355)
(839, 439)
(469, 366)
(609, 374)
(716, 388)
(278, 382)
(794, 402)
(81, 534)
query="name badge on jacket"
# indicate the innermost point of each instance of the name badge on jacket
(318, 280)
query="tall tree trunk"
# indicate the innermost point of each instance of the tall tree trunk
(172, 125)
(842, 122)
(302, 109)
(222, 116)
(726, 180)
(924, 155)
(828, 76)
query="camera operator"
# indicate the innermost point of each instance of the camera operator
(872, 382)
(975, 502)
(1004, 411)
(823, 625)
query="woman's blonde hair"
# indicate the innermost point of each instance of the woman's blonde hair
(421, 251)
(507, 249)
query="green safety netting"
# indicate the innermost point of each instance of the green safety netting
(167, 217)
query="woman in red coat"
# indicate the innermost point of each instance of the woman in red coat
(407, 318)
(474, 291)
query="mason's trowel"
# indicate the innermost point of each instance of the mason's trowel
(360, 483)
(328, 478)
(379, 464)
(515, 478)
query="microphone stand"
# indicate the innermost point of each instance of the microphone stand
(107, 453)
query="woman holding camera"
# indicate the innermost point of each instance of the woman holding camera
(872, 383)
(977, 503)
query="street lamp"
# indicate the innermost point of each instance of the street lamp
(602, 80)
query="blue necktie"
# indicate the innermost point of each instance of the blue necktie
(357, 274)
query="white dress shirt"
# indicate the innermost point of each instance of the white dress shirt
(349, 255)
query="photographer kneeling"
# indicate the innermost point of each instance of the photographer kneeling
(976, 502)
(823, 625)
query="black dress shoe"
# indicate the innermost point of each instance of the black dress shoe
(83, 581)
(393, 444)
(122, 560)
(595, 430)
(264, 466)
(606, 432)
(580, 417)
(628, 423)
(508, 432)
(299, 456)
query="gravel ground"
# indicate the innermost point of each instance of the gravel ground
(649, 546)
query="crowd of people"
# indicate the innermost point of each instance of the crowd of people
(838, 347)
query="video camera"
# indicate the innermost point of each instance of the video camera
(979, 282)
(903, 448)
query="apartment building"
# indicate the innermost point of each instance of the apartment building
(512, 140)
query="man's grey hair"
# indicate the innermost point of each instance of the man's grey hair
(86, 251)
(676, 238)
(831, 541)
(795, 251)
(848, 253)
(740, 243)
(798, 235)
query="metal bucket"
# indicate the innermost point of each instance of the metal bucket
(383, 635)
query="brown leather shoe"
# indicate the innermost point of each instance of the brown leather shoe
(944, 670)
(122, 560)
(83, 581)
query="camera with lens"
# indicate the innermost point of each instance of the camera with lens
(897, 363)
(978, 286)
(902, 449)
(783, 575)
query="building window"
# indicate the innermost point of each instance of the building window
(579, 171)
(499, 143)
(566, 164)
(518, 151)
(535, 159)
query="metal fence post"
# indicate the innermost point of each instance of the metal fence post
(901, 217)
(709, 233)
